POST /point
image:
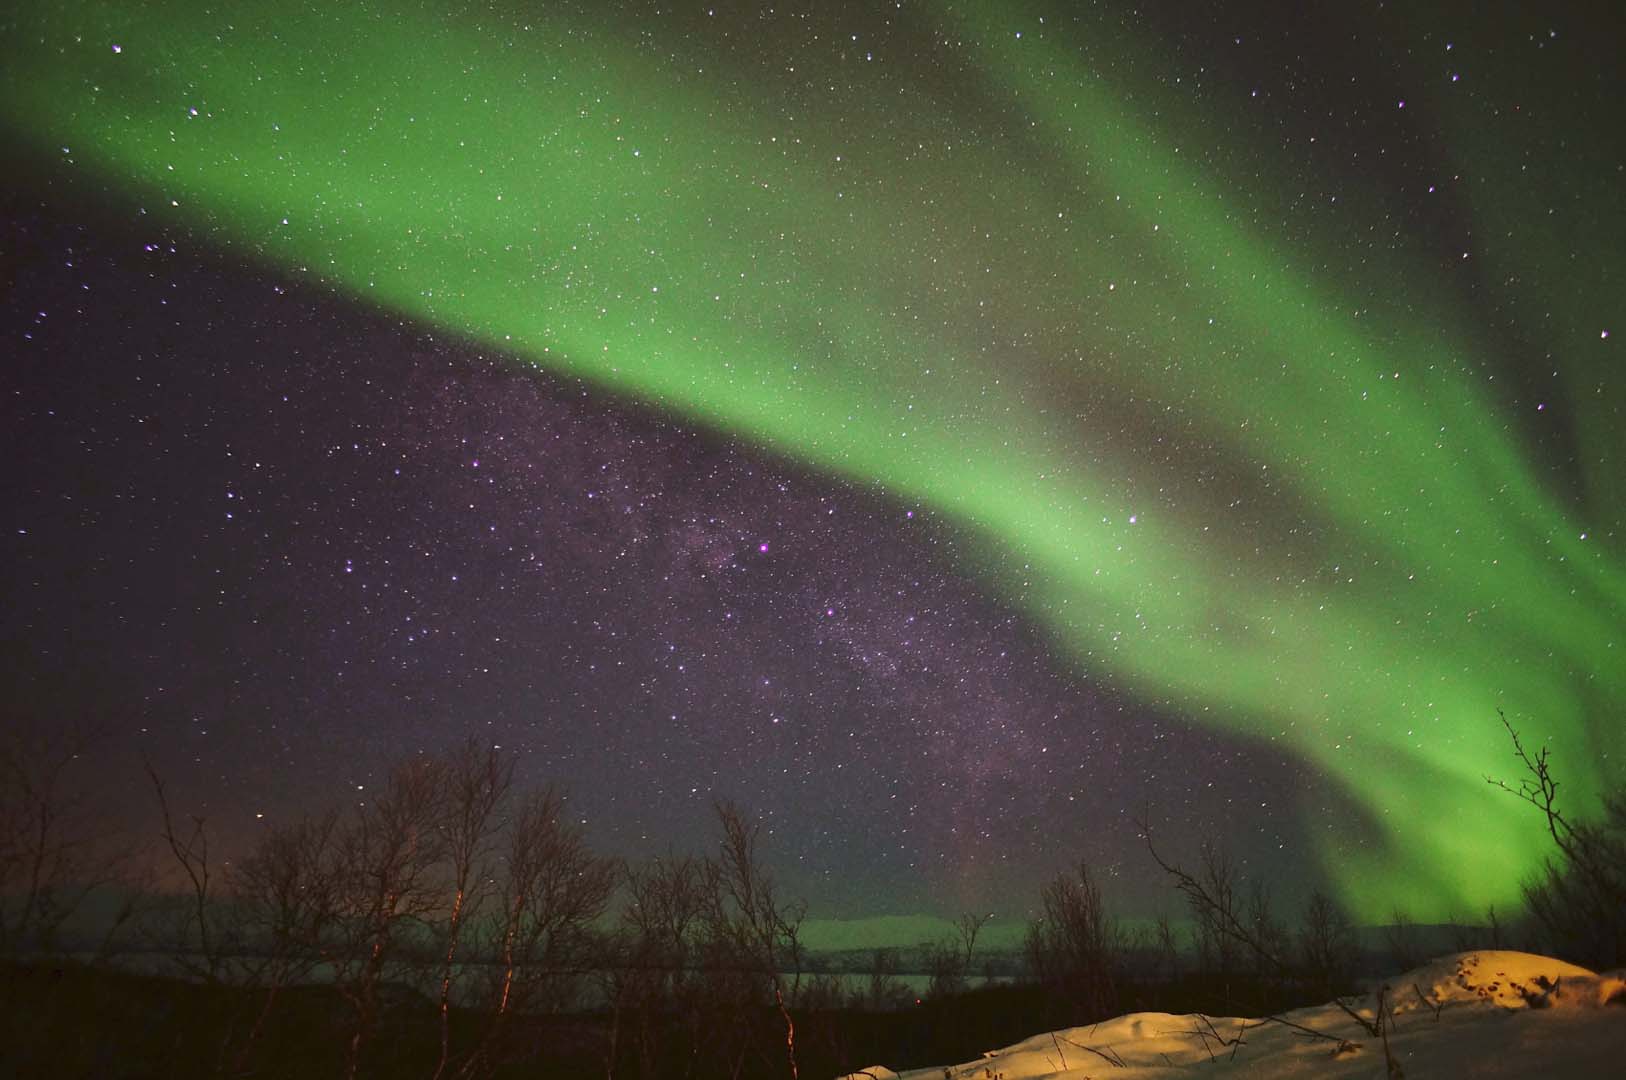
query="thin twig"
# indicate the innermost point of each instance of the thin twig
(1394, 1071)
(1371, 1026)
(1307, 1032)
(1109, 1055)
(1214, 1032)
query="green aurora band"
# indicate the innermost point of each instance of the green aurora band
(1234, 468)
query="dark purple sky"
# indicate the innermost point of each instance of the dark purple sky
(275, 542)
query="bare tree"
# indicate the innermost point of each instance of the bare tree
(1166, 944)
(1401, 935)
(1487, 933)
(1224, 927)
(649, 970)
(475, 783)
(1326, 945)
(1215, 906)
(1211, 894)
(54, 849)
(190, 849)
(1272, 961)
(749, 923)
(969, 927)
(386, 857)
(1074, 946)
(1579, 899)
(552, 890)
(945, 968)
(284, 901)
(883, 992)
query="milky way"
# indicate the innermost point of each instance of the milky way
(953, 428)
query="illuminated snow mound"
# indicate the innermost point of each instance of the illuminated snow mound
(1481, 1014)
(1509, 980)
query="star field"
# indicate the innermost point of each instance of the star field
(949, 429)
(321, 541)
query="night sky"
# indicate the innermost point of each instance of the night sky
(951, 430)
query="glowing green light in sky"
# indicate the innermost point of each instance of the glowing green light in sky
(1223, 459)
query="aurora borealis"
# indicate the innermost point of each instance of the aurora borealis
(1253, 375)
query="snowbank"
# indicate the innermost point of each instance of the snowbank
(1480, 1014)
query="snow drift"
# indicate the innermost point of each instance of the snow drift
(1480, 1014)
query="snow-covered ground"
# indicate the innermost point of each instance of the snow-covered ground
(1473, 1014)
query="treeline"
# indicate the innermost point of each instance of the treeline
(454, 926)
(1245, 957)
(446, 896)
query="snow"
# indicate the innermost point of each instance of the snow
(1489, 1013)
